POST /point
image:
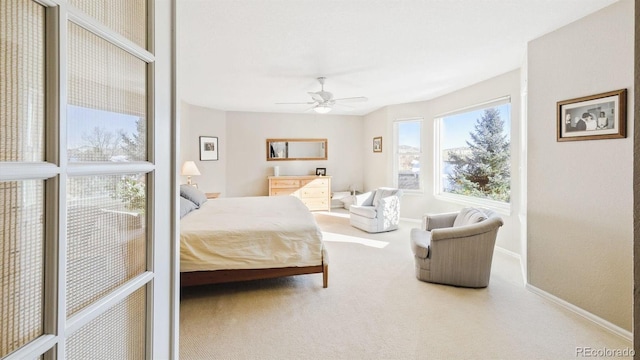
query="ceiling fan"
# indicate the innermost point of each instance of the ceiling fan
(323, 101)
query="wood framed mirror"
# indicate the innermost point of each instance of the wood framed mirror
(296, 149)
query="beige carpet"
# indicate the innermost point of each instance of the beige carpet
(375, 308)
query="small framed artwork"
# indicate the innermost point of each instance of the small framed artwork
(600, 116)
(321, 171)
(208, 148)
(377, 144)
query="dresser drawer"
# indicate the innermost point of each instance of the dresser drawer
(283, 191)
(316, 204)
(321, 182)
(285, 183)
(314, 192)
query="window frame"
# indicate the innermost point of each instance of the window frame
(396, 154)
(498, 206)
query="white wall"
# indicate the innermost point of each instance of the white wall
(248, 167)
(580, 194)
(196, 121)
(378, 167)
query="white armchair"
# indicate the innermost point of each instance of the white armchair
(376, 211)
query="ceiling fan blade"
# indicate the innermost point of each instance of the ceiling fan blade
(352, 99)
(296, 103)
(311, 108)
(316, 96)
(346, 107)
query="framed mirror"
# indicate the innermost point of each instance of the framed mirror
(296, 149)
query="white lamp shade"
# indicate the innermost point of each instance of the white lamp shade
(189, 168)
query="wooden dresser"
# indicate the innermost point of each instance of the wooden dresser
(314, 191)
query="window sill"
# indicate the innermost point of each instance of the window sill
(497, 206)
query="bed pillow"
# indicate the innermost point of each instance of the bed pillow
(190, 193)
(186, 206)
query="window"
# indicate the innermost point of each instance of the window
(473, 156)
(408, 154)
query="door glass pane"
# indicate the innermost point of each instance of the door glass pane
(21, 81)
(21, 263)
(106, 235)
(127, 17)
(106, 116)
(119, 333)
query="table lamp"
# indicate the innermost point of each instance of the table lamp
(189, 169)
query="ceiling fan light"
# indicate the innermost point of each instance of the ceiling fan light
(322, 109)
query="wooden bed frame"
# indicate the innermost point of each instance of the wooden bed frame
(194, 278)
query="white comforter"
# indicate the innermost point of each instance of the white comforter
(249, 233)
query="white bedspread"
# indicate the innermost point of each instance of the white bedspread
(249, 233)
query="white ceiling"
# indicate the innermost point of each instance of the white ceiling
(246, 55)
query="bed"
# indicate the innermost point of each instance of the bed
(249, 238)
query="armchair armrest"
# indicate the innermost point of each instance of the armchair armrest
(388, 204)
(438, 221)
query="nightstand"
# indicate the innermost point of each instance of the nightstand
(212, 195)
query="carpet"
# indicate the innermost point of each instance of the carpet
(375, 308)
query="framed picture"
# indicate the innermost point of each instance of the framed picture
(321, 171)
(208, 148)
(377, 144)
(601, 116)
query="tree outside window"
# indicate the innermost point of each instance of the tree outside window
(474, 154)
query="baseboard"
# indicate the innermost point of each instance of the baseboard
(417, 221)
(615, 329)
(517, 257)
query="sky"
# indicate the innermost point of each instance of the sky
(455, 128)
(81, 121)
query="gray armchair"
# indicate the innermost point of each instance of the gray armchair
(376, 211)
(456, 248)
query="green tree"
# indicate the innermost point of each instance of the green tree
(135, 146)
(484, 171)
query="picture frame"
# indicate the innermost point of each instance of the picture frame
(377, 144)
(594, 117)
(208, 148)
(321, 171)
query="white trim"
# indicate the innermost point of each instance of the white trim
(33, 349)
(108, 168)
(615, 329)
(517, 257)
(411, 220)
(86, 22)
(486, 104)
(27, 170)
(497, 206)
(106, 303)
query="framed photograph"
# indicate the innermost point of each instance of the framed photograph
(377, 144)
(321, 171)
(208, 148)
(601, 116)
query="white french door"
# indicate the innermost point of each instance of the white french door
(85, 194)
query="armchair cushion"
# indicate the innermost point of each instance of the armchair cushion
(367, 211)
(365, 199)
(420, 241)
(468, 216)
(383, 193)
